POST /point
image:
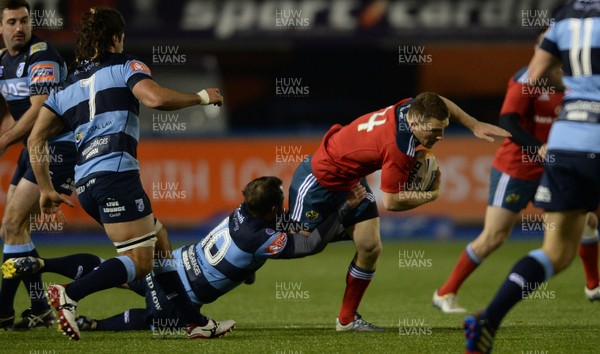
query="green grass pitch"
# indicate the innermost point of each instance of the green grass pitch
(293, 304)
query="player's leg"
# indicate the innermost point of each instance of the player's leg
(568, 186)
(361, 271)
(588, 251)
(167, 279)
(129, 320)
(498, 225)
(17, 243)
(72, 266)
(507, 197)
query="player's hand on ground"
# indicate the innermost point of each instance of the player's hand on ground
(50, 202)
(356, 195)
(488, 131)
(215, 97)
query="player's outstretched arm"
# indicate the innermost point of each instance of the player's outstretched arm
(155, 96)
(299, 245)
(480, 129)
(406, 200)
(47, 126)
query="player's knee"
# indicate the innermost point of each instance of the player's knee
(371, 250)
(143, 268)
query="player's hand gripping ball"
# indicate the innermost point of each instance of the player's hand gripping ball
(423, 172)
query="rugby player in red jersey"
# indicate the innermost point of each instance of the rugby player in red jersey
(383, 140)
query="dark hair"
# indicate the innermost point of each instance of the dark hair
(98, 26)
(13, 5)
(262, 194)
(429, 105)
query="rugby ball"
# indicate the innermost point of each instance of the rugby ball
(423, 171)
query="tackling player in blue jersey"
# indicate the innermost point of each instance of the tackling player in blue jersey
(29, 69)
(100, 104)
(229, 255)
(570, 185)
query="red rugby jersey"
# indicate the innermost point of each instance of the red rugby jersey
(379, 140)
(538, 109)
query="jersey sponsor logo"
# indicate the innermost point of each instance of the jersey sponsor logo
(19, 89)
(277, 245)
(38, 47)
(194, 261)
(41, 73)
(312, 215)
(20, 69)
(78, 136)
(139, 66)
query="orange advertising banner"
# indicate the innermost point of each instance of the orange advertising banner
(190, 181)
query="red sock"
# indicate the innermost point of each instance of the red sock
(357, 281)
(463, 268)
(589, 256)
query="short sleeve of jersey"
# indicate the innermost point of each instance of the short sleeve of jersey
(550, 42)
(274, 244)
(516, 100)
(52, 104)
(395, 170)
(135, 71)
(46, 69)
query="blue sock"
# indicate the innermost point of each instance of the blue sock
(74, 266)
(130, 320)
(114, 272)
(9, 287)
(173, 288)
(35, 288)
(523, 279)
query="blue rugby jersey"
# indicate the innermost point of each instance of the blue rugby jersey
(574, 38)
(37, 70)
(98, 105)
(234, 249)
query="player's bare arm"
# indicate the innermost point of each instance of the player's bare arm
(47, 126)
(155, 96)
(480, 129)
(7, 121)
(543, 65)
(406, 200)
(23, 126)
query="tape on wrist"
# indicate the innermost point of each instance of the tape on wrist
(204, 98)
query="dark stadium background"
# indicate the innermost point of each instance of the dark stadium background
(346, 54)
